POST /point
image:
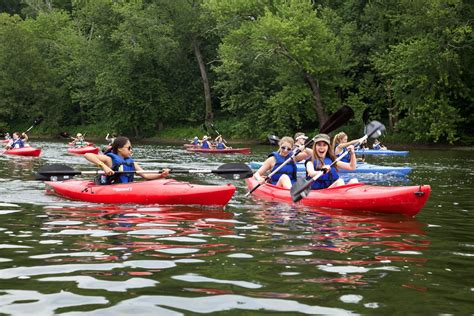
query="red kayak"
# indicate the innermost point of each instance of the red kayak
(244, 151)
(25, 151)
(164, 192)
(407, 200)
(83, 150)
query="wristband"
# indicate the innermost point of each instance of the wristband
(100, 164)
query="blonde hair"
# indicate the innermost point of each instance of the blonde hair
(337, 139)
(286, 139)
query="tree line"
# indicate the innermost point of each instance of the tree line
(259, 66)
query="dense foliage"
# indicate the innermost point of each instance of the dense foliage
(269, 66)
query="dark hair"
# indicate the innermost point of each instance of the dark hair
(119, 142)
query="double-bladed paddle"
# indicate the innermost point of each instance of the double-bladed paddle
(233, 171)
(302, 186)
(37, 121)
(218, 134)
(336, 120)
(273, 139)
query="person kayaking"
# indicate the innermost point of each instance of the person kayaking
(323, 156)
(79, 141)
(119, 158)
(17, 141)
(7, 136)
(300, 139)
(286, 176)
(378, 145)
(340, 143)
(195, 141)
(220, 143)
(205, 144)
(110, 138)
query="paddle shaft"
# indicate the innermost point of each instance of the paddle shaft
(100, 172)
(219, 134)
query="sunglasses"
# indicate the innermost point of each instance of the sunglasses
(129, 147)
(285, 148)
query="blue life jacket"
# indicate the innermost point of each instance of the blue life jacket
(347, 158)
(325, 180)
(220, 146)
(205, 144)
(377, 147)
(288, 169)
(195, 142)
(18, 143)
(127, 164)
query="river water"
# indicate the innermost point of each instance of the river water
(60, 257)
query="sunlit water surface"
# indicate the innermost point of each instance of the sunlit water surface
(71, 258)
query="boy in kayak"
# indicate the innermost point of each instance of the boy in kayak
(286, 176)
(119, 158)
(17, 141)
(340, 143)
(195, 141)
(323, 156)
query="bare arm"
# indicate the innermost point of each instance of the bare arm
(349, 165)
(151, 176)
(101, 161)
(267, 165)
(341, 146)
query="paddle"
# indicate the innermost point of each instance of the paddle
(302, 187)
(218, 134)
(335, 121)
(37, 121)
(273, 139)
(233, 171)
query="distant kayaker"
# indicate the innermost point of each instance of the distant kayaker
(220, 143)
(323, 156)
(79, 141)
(286, 176)
(110, 138)
(17, 141)
(378, 145)
(205, 144)
(119, 158)
(340, 143)
(7, 136)
(195, 141)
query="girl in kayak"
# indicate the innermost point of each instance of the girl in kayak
(220, 143)
(378, 145)
(17, 141)
(119, 158)
(323, 156)
(300, 139)
(340, 143)
(205, 144)
(286, 176)
(79, 141)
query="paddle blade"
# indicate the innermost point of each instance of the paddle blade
(300, 189)
(375, 129)
(234, 171)
(56, 172)
(337, 119)
(64, 135)
(38, 120)
(273, 139)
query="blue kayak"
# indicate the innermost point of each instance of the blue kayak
(381, 152)
(362, 167)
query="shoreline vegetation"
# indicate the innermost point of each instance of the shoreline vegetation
(164, 69)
